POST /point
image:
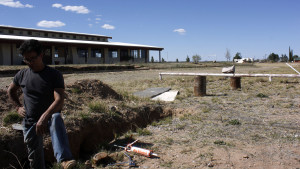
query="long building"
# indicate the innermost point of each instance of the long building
(71, 47)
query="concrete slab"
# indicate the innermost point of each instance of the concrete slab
(168, 96)
(151, 92)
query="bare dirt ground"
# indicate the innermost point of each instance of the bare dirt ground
(254, 127)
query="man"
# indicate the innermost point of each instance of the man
(43, 90)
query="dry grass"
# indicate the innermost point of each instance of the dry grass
(255, 127)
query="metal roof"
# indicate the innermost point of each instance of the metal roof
(43, 30)
(71, 41)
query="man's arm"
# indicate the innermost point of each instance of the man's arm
(57, 105)
(13, 97)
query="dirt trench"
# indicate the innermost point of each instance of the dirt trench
(85, 134)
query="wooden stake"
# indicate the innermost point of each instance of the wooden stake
(235, 83)
(200, 86)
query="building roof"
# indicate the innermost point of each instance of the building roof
(81, 42)
(52, 31)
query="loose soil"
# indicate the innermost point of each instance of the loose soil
(254, 127)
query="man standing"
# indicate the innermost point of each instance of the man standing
(43, 89)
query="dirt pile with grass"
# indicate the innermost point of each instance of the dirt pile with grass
(94, 114)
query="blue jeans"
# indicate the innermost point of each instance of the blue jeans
(59, 139)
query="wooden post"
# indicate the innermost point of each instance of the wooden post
(235, 83)
(200, 86)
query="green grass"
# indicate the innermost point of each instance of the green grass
(234, 122)
(143, 132)
(11, 117)
(261, 95)
(97, 107)
(219, 142)
(76, 90)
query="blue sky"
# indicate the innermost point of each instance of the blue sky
(255, 28)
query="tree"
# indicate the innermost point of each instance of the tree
(177, 60)
(162, 60)
(196, 58)
(187, 58)
(237, 56)
(284, 58)
(273, 57)
(227, 56)
(290, 55)
(152, 59)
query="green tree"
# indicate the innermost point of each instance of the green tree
(284, 58)
(196, 58)
(290, 55)
(273, 57)
(238, 56)
(152, 59)
(187, 58)
(177, 60)
(162, 60)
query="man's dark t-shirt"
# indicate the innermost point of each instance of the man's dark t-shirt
(38, 89)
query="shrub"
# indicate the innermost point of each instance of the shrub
(97, 107)
(234, 122)
(11, 117)
(261, 95)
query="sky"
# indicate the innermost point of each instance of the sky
(254, 28)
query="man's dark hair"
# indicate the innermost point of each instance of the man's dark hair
(31, 45)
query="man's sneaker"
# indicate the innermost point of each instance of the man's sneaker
(68, 164)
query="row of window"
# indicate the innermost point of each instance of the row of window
(97, 53)
(53, 35)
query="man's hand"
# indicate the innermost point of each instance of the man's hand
(21, 111)
(42, 125)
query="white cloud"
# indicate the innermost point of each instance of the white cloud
(14, 4)
(90, 25)
(56, 5)
(78, 9)
(50, 24)
(108, 26)
(180, 31)
(98, 19)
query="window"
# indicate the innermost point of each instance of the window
(11, 31)
(56, 53)
(82, 52)
(67, 36)
(21, 33)
(134, 53)
(74, 36)
(46, 34)
(1, 31)
(60, 35)
(96, 53)
(29, 33)
(86, 37)
(98, 39)
(113, 53)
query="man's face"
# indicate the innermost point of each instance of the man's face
(32, 59)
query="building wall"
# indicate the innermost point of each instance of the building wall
(6, 53)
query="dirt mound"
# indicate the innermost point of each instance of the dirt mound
(5, 105)
(95, 88)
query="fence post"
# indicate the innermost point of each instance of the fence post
(200, 86)
(235, 83)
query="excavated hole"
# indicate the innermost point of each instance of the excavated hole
(86, 135)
